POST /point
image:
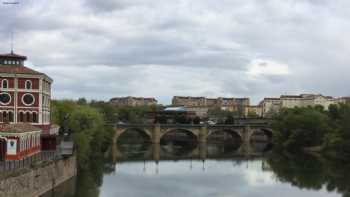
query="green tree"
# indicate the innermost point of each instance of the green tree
(196, 120)
(230, 119)
(297, 128)
(333, 111)
(88, 127)
(82, 101)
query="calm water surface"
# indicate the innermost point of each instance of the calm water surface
(218, 171)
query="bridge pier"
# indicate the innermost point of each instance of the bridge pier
(156, 152)
(246, 147)
(116, 154)
(156, 134)
(202, 151)
(203, 134)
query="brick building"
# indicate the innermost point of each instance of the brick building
(230, 104)
(25, 99)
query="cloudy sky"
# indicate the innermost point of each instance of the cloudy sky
(241, 48)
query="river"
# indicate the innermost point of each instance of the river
(213, 170)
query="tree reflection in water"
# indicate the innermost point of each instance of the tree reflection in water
(312, 172)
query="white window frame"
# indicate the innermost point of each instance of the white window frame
(26, 103)
(30, 86)
(7, 83)
(9, 100)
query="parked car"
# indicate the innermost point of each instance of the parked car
(210, 122)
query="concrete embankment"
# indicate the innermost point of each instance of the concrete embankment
(38, 180)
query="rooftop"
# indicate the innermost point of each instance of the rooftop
(17, 69)
(18, 128)
(131, 97)
(13, 56)
(269, 98)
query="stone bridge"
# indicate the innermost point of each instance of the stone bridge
(155, 132)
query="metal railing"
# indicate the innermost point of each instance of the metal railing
(27, 162)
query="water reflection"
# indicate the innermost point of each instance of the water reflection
(211, 170)
(312, 172)
(173, 151)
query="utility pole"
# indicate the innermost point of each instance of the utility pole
(11, 3)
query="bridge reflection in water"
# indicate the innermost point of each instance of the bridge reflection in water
(157, 152)
(201, 152)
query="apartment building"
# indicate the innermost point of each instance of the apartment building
(132, 101)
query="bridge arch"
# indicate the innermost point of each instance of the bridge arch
(261, 134)
(232, 132)
(190, 133)
(143, 132)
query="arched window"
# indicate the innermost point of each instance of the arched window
(4, 116)
(28, 117)
(11, 116)
(21, 145)
(35, 117)
(4, 83)
(21, 117)
(28, 85)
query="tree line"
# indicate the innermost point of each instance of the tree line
(302, 128)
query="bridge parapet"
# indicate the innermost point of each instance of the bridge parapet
(126, 126)
(255, 125)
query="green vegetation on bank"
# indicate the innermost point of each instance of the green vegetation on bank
(123, 114)
(299, 128)
(87, 127)
(90, 124)
(223, 116)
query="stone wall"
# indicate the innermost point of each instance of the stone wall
(37, 181)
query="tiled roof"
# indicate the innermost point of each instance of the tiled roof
(291, 96)
(134, 98)
(13, 55)
(269, 98)
(16, 69)
(18, 128)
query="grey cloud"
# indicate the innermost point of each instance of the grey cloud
(106, 5)
(183, 47)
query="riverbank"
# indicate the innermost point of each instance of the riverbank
(38, 180)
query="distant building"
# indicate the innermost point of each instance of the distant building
(343, 100)
(305, 100)
(273, 105)
(133, 101)
(253, 111)
(270, 106)
(170, 115)
(188, 101)
(201, 112)
(229, 104)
